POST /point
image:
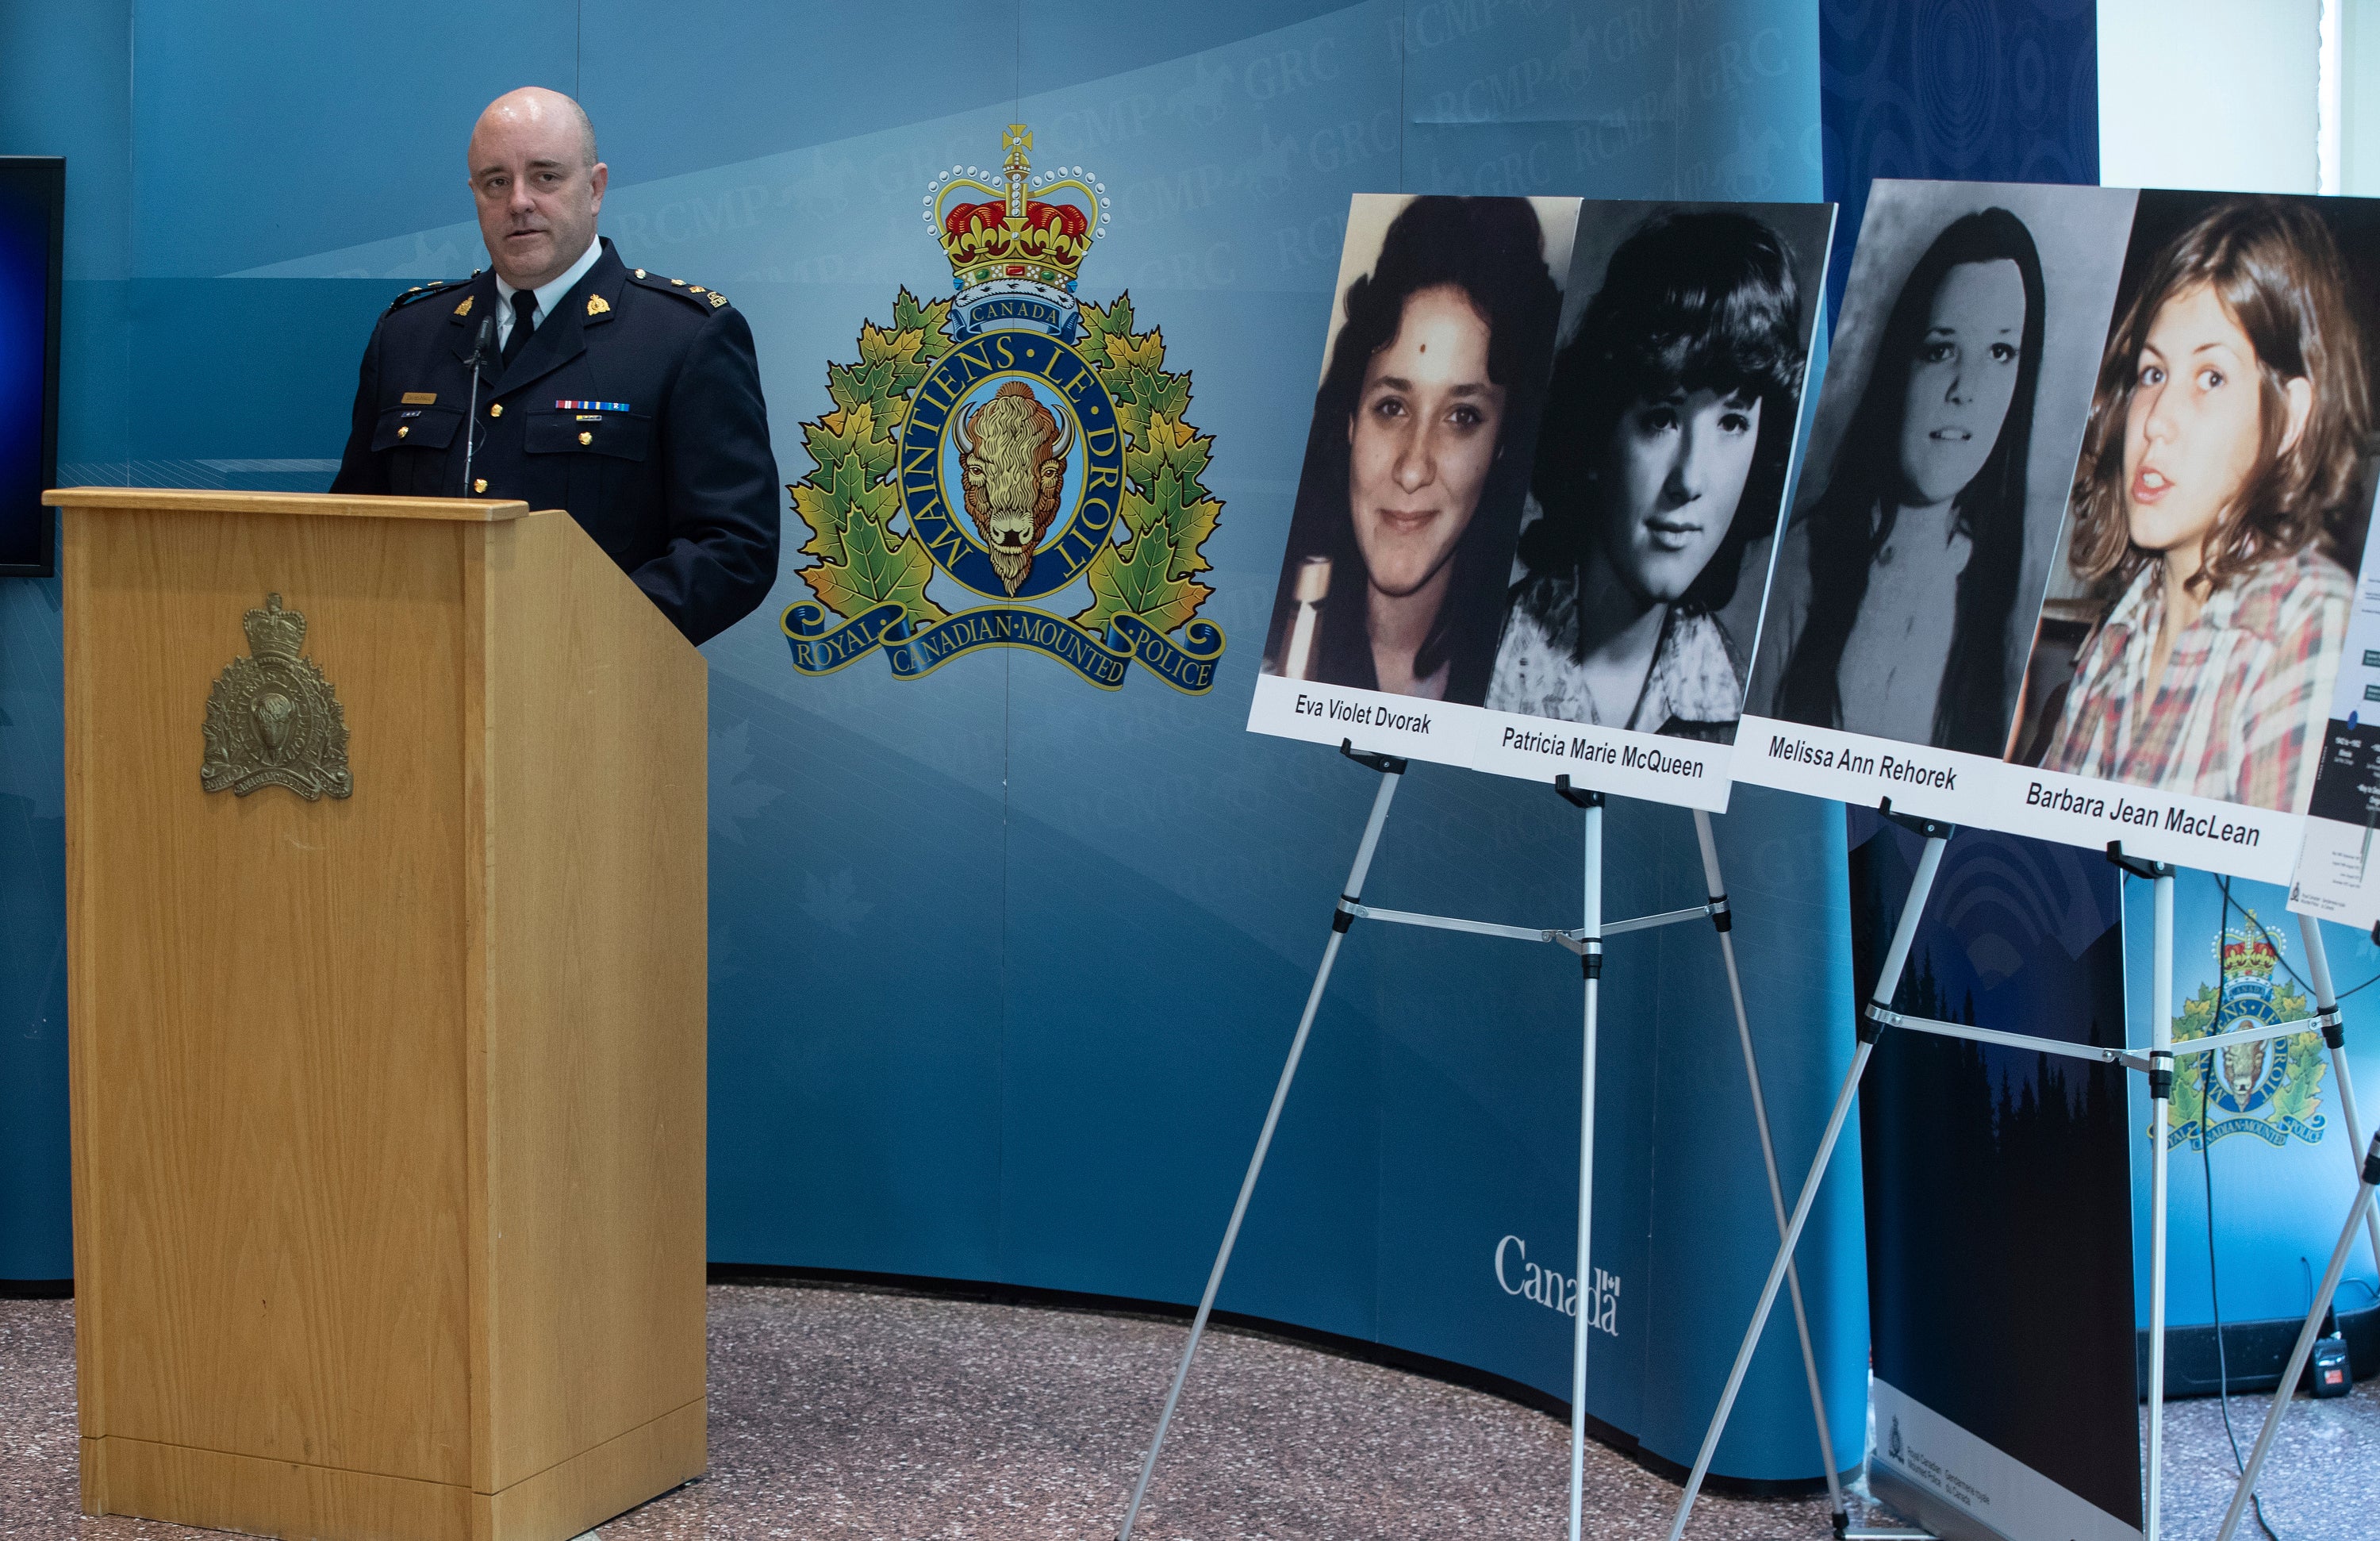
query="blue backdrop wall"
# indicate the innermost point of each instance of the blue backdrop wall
(1003, 966)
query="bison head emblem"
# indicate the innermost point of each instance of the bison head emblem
(1012, 464)
(2243, 1066)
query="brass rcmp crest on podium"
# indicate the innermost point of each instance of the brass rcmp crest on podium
(273, 720)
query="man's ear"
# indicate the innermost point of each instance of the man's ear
(597, 180)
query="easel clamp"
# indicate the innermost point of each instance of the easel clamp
(1576, 796)
(2138, 867)
(1387, 765)
(1932, 828)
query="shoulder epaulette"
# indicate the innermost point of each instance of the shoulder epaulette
(423, 291)
(693, 294)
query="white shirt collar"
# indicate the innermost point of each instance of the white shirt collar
(548, 295)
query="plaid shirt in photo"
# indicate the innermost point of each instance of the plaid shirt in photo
(2239, 712)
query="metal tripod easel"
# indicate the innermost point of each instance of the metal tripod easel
(1585, 940)
(2156, 1064)
(2358, 1213)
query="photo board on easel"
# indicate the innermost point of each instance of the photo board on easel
(1549, 452)
(2071, 550)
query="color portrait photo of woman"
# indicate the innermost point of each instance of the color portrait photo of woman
(1907, 585)
(1418, 455)
(1662, 456)
(2220, 501)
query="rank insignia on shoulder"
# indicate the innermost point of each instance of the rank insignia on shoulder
(693, 294)
(597, 305)
(419, 291)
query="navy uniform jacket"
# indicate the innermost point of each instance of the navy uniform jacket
(636, 405)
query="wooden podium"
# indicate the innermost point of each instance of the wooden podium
(388, 1107)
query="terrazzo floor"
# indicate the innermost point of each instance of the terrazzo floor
(841, 1413)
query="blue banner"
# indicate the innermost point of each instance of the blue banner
(1103, 661)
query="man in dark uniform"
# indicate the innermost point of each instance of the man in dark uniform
(630, 399)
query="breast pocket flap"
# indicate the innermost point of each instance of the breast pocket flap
(622, 435)
(416, 427)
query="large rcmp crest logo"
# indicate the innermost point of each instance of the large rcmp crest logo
(2269, 1088)
(1014, 441)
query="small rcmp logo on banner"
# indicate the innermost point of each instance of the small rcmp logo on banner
(2270, 1088)
(1027, 440)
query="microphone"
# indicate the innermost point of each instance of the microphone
(483, 353)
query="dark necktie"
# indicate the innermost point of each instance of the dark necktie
(524, 307)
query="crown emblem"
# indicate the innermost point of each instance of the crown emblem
(1036, 227)
(2248, 953)
(1016, 248)
(274, 633)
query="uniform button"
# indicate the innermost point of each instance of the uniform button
(587, 437)
(495, 409)
(401, 433)
(479, 484)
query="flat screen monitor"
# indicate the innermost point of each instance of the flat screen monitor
(33, 231)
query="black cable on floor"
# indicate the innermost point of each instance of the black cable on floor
(2207, 1167)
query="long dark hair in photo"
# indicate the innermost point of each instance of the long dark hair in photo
(1853, 518)
(1492, 250)
(1689, 303)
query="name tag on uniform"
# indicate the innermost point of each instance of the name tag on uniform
(419, 398)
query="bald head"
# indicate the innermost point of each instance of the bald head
(538, 184)
(534, 108)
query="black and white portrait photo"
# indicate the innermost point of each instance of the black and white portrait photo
(1661, 463)
(1929, 506)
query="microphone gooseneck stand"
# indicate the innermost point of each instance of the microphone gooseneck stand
(483, 346)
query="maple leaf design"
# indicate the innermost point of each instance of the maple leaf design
(735, 798)
(1166, 512)
(850, 498)
(834, 903)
